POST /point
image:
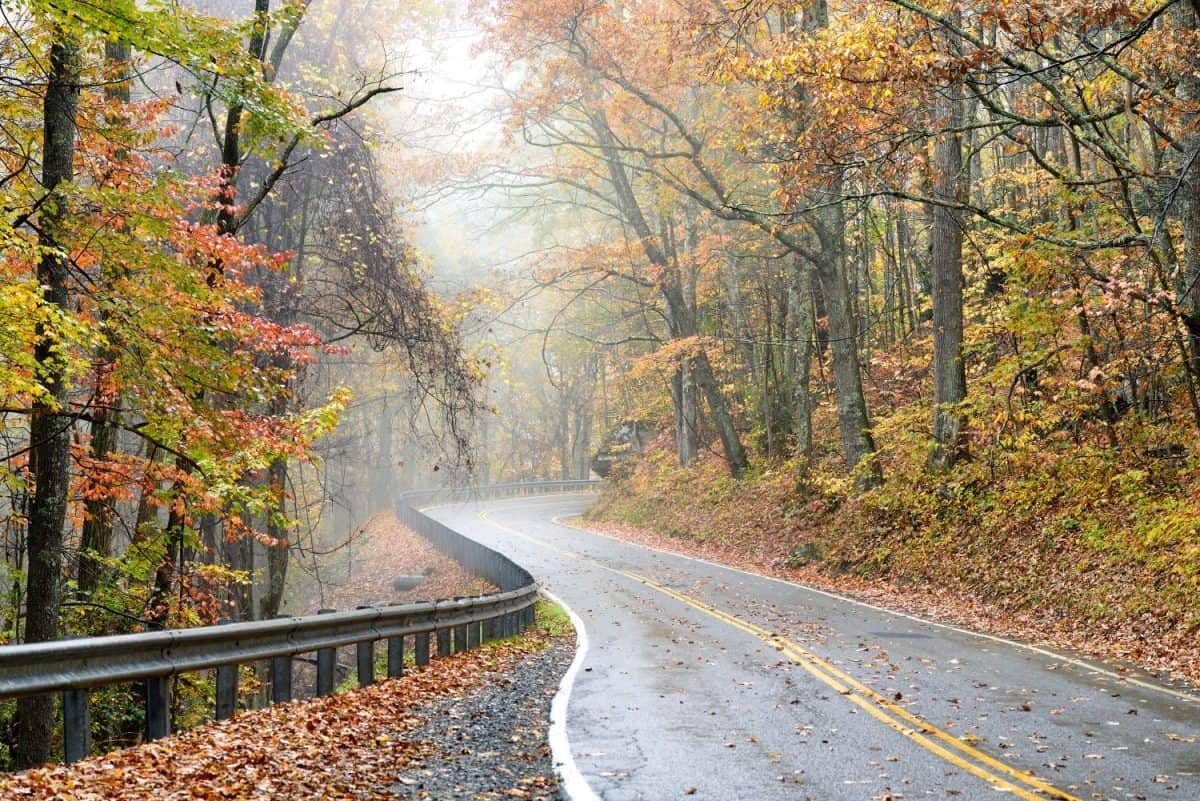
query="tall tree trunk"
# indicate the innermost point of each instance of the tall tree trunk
(687, 420)
(800, 299)
(97, 537)
(903, 265)
(829, 225)
(239, 555)
(231, 148)
(945, 262)
(731, 444)
(1187, 17)
(857, 443)
(49, 433)
(683, 320)
(279, 551)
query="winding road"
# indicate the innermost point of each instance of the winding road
(701, 681)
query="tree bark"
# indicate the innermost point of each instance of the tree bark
(96, 541)
(857, 443)
(50, 434)
(687, 420)
(231, 149)
(1188, 92)
(279, 552)
(800, 298)
(945, 262)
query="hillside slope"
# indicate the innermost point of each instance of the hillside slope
(1064, 548)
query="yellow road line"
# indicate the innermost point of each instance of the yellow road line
(874, 703)
(883, 709)
(1090, 667)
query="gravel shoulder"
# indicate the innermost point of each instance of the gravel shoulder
(471, 725)
(491, 742)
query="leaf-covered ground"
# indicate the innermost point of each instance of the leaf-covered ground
(994, 561)
(383, 549)
(377, 743)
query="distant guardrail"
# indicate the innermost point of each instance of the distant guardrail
(476, 558)
(75, 666)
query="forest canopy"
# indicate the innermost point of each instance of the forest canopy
(904, 272)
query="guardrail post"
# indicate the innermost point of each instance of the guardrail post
(158, 707)
(227, 687)
(281, 679)
(460, 639)
(326, 664)
(395, 657)
(489, 629)
(77, 726)
(365, 651)
(443, 642)
(281, 676)
(421, 648)
(473, 635)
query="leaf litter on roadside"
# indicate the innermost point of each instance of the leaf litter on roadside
(345, 747)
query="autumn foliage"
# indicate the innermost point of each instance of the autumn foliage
(942, 257)
(172, 278)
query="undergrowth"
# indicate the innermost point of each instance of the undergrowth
(1108, 543)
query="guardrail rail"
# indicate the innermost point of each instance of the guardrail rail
(75, 666)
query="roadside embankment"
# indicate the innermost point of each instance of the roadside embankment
(1072, 552)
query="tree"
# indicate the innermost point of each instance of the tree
(945, 262)
(49, 432)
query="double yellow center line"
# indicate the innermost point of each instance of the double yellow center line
(962, 755)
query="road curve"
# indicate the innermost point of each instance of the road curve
(706, 682)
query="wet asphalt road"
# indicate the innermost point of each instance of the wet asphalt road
(708, 683)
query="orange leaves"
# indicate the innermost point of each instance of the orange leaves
(349, 746)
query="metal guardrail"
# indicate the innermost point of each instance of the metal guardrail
(75, 666)
(462, 494)
(476, 558)
(97, 661)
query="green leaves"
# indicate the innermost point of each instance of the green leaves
(212, 49)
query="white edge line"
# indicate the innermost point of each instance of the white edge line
(1079, 663)
(573, 783)
(1189, 697)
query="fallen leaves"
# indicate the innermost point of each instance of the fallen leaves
(347, 747)
(384, 549)
(1167, 652)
